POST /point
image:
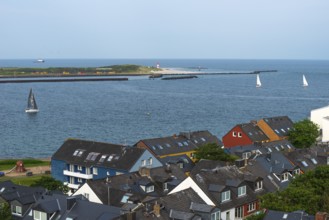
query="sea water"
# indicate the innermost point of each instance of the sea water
(124, 112)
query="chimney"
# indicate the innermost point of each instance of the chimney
(156, 209)
(321, 216)
(129, 216)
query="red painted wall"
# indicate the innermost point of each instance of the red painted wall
(230, 141)
(245, 209)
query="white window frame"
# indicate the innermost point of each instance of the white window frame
(285, 177)
(259, 185)
(251, 207)
(95, 171)
(239, 212)
(239, 134)
(242, 190)
(150, 189)
(37, 215)
(150, 161)
(226, 196)
(79, 180)
(16, 210)
(143, 163)
(296, 171)
(79, 168)
(234, 134)
(215, 215)
(86, 195)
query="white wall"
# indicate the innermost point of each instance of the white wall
(232, 214)
(325, 129)
(317, 115)
(86, 189)
(189, 183)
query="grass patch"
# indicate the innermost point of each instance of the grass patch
(10, 163)
(23, 180)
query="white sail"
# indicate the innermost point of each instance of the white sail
(31, 104)
(258, 83)
(305, 83)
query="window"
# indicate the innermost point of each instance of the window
(150, 161)
(180, 165)
(102, 158)
(215, 216)
(242, 191)
(239, 134)
(39, 215)
(246, 155)
(86, 195)
(276, 131)
(314, 161)
(195, 141)
(327, 160)
(150, 189)
(165, 186)
(110, 157)
(226, 196)
(168, 145)
(185, 143)
(202, 139)
(234, 133)
(259, 185)
(79, 168)
(17, 210)
(76, 153)
(95, 171)
(251, 206)
(304, 163)
(143, 163)
(125, 197)
(180, 144)
(285, 176)
(296, 172)
(79, 180)
(239, 212)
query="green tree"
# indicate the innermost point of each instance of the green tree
(51, 184)
(213, 152)
(304, 134)
(5, 212)
(309, 192)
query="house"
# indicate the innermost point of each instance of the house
(20, 198)
(278, 215)
(275, 168)
(244, 134)
(133, 187)
(77, 161)
(178, 145)
(234, 192)
(309, 158)
(320, 117)
(276, 128)
(182, 161)
(254, 150)
(185, 204)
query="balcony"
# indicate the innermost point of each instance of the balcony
(78, 175)
(71, 185)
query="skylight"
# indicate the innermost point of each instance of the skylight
(76, 153)
(195, 141)
(168, 145)
(276, 131)
(314, 161)
(180, 144)
(204, 140)
(110, 157)
(304, 163)
(102, 158)
(185, 143)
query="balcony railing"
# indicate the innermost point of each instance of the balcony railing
(78, 175)
(71, 185)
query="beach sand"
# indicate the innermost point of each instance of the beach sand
(174, 71)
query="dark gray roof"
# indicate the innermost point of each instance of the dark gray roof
(253, 132)
(132, 183)
(174, 214)
(296, 215)
(91, 153)
(188, 164)
(281, 125)
(183, 142)
(201, 207)
(216, 179)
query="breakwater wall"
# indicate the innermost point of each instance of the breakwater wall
(60, 80)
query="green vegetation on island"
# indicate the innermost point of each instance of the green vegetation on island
(8, 164)
(125, 69)
(304, 134)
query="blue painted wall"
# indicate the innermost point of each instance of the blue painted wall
(57, 168)
(145, 156)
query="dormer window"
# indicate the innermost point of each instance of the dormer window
(39, 215)
(242, 191)
(215, 215)
(246, 155)
(258, 185)
(226, 196)
(149, 188)
(296, 171)
(16, 210)
(285, 176)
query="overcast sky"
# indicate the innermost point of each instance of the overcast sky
(228, 29)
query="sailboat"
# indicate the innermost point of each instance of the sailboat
(305, 83)
(31, 104)
(258, 83)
